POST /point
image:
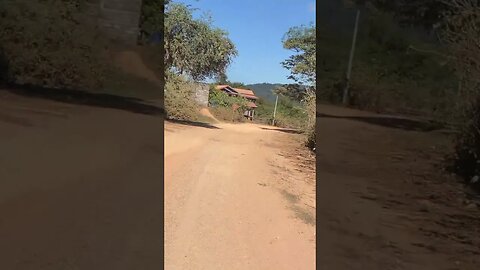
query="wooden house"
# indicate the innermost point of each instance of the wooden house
(249, 95)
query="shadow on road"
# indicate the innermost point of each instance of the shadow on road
(391, 122)
(193, 123)
(286, 130)
(87, 98)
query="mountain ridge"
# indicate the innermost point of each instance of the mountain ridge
(264, 90)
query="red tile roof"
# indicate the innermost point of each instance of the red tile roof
(246, 93)
(249, 94)
(221, 86)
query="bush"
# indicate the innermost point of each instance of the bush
(311, 109)
(220, 98)
(466, 160)
(225, 107)
(227, 114)
(45, 45)
(179, 99)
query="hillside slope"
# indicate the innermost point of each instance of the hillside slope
(264, 90)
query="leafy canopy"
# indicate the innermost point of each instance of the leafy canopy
(194, 47)
(301, 40)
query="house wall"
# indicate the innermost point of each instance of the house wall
(119, 19)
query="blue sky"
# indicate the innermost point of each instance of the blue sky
(257, 27)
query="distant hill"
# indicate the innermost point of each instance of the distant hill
(264, 90)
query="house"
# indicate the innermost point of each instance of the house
(245, 93)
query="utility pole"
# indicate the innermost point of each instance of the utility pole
(350, 60)
(275, 111)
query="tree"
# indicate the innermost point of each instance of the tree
(151, 20)
(302, 66)
(222, 79)
(301, 40)
(295, 92)
(417, 13)
(237, 85)
(194, 47)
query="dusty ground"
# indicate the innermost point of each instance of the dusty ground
(80, 186)
(238, 197)
(80, 190)
(384, 201)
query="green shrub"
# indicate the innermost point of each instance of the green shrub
(44, 44)
(179, 99)
(220, 98)
(227, 114)
(225, 107)
(466, 160)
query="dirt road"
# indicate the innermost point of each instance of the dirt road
(237, 197)
(81, 189)
(384, 200)
(80, 186)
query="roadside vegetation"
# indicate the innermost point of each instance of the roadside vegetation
(45, 45)
(297, 101)
(194, 50)
(400, 65)
(225, 107)
(179, 98)
(462, 37)
(414, 58)
(51, 45)
(75, 55)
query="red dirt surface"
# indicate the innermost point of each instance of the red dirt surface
(80, 186)
(384, 201)
(238, 197)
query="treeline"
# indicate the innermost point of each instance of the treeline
(417, 57)
(400, 64)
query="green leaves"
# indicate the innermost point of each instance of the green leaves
(44, 44)
(151, 21)
(179, 99)
(301, 40)
(219, 98)
(193, 46)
